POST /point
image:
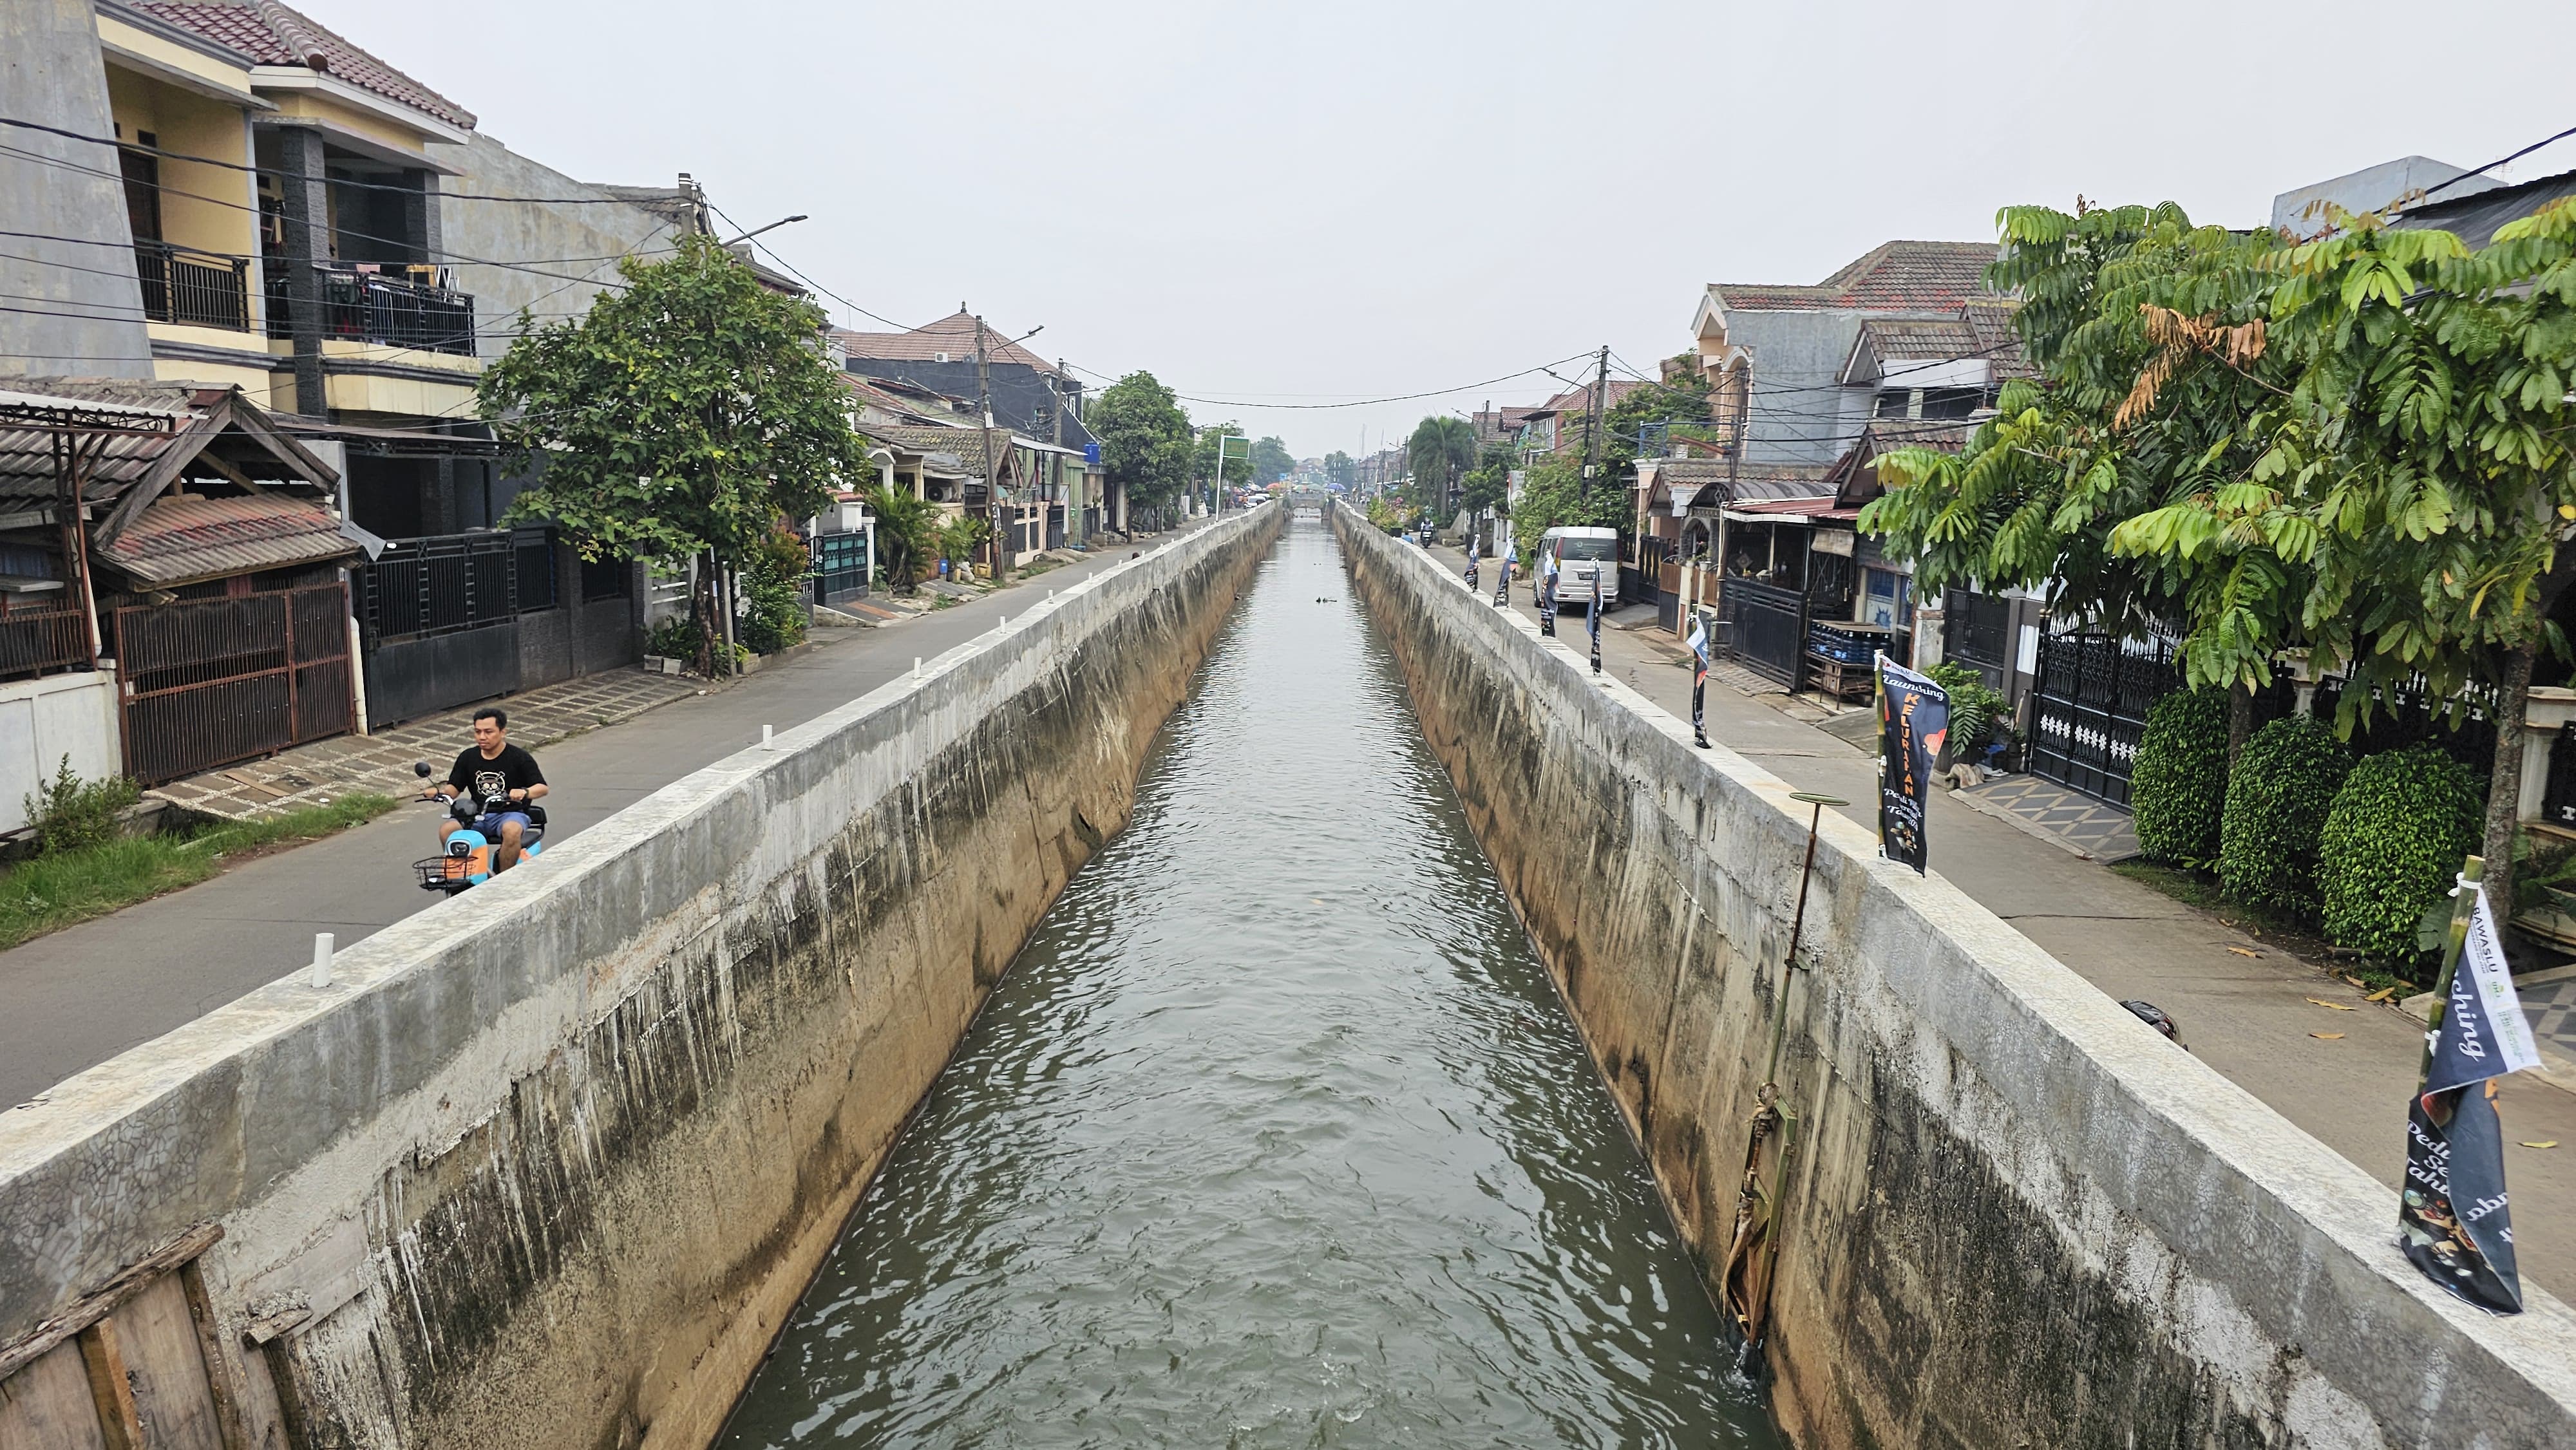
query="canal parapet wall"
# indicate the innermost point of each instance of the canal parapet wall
(2017, 1216)
(547, 1165)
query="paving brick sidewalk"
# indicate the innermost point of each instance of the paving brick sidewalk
(314, 774)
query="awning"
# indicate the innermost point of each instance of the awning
(177, 541)
(1805, 511)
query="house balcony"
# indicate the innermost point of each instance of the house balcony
(361, 304)
(197, 289)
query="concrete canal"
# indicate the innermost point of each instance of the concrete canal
(1275, 1133)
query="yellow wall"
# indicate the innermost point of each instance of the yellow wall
(178, 57)
(320, 107)
(194, 196)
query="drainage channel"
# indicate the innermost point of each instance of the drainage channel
(1274, 1135)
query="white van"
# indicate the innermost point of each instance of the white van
(1579, 555)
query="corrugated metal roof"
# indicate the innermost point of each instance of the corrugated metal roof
(27, 454)
(177, 541)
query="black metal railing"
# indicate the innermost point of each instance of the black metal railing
(840, 567)
(202, 289)
(605, 579)
(382, 308)
(450, 582)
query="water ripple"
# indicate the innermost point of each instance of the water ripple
(1274, 1135)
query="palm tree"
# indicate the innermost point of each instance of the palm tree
(1440, 452)
(907, 530)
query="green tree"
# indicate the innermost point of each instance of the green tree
(907, 533)
(1488, 485)
(1271, 460)
(1439, 453)
(1674, 404)
(1553, 496)
(1238, 455)
(1145, 442)
(1340, 470)
(681, 417)
(960, 535)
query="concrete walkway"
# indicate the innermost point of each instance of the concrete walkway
(2246, 1009)
(80, 996)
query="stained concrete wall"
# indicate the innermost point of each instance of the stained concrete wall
(2018, 1216)
(548, 1164)
(76, 308)
(569, 248)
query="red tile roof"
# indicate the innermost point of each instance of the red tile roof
(267, 33)
(177, 541)
(953, 335)
(1894, 276)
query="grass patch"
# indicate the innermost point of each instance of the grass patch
(944, 601)
(2280, 931)
(47, 893)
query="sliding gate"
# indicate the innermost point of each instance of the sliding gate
(2090, 706)
(206, 682)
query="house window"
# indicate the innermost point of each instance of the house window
(1891, 404)
(1951, 402)
(1887, 598)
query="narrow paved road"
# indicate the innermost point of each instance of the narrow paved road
(2249, 1016)
(74, 999)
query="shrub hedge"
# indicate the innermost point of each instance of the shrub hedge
(2277, 800)
(2391, 845)
(2178, 786)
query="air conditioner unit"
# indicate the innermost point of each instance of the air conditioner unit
(939, 357)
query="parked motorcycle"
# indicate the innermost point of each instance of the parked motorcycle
(467, 860)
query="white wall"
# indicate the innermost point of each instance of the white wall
(41, 721)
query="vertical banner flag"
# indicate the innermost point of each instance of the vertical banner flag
(1699, 678)
(1596, 619)
(1503, 576)
(2452, 1219)
(1547, 594)
(1913, 716)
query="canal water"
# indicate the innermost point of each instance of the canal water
(1274, 1135)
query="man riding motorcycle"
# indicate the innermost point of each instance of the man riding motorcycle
(497, 776)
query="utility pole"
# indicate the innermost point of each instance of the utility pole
(1593, 423)
(992, 490)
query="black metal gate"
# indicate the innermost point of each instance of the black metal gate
(1766, 627)
(206, 682)
(2090, 705)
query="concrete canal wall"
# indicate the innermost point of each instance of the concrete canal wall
(547, 1164)
(2018, 1217)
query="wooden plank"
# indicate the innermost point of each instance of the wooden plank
(47, 1405)
(166, 1370)
(98, 1303)
(108, 1387)
(219, 1366)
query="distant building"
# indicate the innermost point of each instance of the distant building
(2301, 210)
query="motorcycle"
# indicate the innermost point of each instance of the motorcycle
(467, 859)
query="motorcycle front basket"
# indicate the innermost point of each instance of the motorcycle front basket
(442, 873)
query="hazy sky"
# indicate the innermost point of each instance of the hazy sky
(1322, 202)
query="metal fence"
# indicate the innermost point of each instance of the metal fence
(2090, 707)
(449, 582)
(381, 308)
(33, 641)
(1766, 627)
(208, 682)
(840, 567)
(204, 289)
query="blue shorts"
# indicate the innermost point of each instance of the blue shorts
(490, 824)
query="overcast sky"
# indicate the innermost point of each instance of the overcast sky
(1326, 201)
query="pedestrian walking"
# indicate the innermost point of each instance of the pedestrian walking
(1547, 593)
(1503, 584)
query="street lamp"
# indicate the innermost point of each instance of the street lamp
(773, 226)
(1216, 489)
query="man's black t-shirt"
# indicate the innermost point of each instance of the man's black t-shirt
(513, 769)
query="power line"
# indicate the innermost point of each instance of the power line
(283, 175)
(2506, 161)
(457, 257)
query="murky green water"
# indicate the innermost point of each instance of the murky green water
(1273, 1136)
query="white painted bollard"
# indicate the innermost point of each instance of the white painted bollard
(321, 974)
(916, 669)
(765, 739)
